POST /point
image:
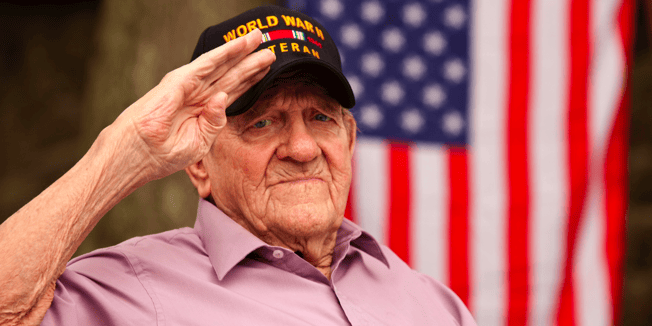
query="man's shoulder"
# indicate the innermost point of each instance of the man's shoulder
(119, 284)
(183, 238)
(427, 287)
(152, 248)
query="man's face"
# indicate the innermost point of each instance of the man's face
(284, 166)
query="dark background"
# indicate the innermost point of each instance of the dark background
(68, 69)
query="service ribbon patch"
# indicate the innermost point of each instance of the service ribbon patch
(283, 34)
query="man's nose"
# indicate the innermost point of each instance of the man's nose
(298, 143)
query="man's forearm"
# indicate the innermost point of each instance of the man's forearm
(38, 240)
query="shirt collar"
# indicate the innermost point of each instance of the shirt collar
(227, 242)
(360, 239)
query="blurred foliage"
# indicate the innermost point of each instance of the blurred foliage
(43, 55)
(638, 267)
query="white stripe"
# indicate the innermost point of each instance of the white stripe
(590, 277)
(547, 125)
(607, 73)
(605, 87)
(371, 186)
(429, 174)
(487, 174)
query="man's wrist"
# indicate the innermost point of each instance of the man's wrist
(119, 159)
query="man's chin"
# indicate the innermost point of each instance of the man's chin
(307, 217)
(305, 205)
(302, 192)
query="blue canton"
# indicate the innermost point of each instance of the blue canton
(407, 62)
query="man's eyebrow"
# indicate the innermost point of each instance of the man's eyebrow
(328, 106)
(257, 110)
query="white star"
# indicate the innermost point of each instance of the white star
(453, 123)
(331, 8)
(393, 39)
(392, 92)
(371, 116)
(351, 35)
(414, 67)
(454, 70)
(412, 121)
(372, 64)
(372, 12)
(356, 85)
(434, 43)
(455, 17)
(414, 14)
(434, 96)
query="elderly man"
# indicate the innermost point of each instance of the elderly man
(270, 245)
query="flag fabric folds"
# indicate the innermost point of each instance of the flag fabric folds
(492, 146)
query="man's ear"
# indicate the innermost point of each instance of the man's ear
(352, 129)
(199, 178)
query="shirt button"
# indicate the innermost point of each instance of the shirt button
(278, 254)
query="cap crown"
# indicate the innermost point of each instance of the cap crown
(297, 40)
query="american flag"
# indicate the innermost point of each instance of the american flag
(492, 146)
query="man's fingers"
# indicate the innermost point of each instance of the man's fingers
(244, 71)
(210, 68)
(243, 86)
(212, 64)
(241, 47)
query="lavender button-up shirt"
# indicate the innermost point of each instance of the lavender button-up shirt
(218, 273)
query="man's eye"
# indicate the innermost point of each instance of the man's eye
(322, 117)
(262, 124)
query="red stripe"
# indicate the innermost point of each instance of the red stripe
(615, 172)
(280, 34)
(517, 164)
(458, 255)
(578, 145)
(615, 179)
(349, 211)
(399, 200)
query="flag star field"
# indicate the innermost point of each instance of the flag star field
(407, 63)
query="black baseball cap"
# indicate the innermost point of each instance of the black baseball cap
(299, 42)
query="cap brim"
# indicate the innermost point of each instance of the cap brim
(336, 85)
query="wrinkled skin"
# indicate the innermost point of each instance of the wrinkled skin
(282, 170)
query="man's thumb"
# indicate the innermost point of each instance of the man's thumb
(213, 116)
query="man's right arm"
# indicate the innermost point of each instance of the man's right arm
(171, 127)
(40, 238)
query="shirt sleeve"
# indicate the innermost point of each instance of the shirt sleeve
(101, 288)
